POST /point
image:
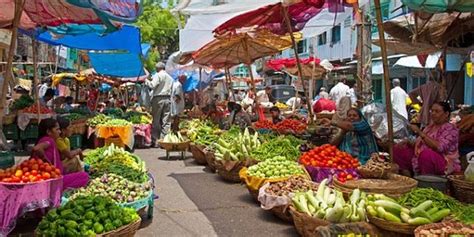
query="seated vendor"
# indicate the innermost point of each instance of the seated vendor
(435, 151)
(68, 104)
(47, 150)
(46, 100)
(70, 159)
(356, 138)
(276, 115)
(238, 116)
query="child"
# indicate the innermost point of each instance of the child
(47, 150)
(69, 158)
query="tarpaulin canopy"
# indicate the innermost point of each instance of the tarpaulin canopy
(272, 17)
(230, 50)
(311, 68)
(117, 64)
(434, 6)
(281, 63)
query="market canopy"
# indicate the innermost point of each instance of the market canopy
(436, 6)
(117, 64)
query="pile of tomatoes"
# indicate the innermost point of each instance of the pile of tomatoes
(33, 109)
(328, 156)
(345, 176)
(292, 125)
(263, 124)
(30, 171)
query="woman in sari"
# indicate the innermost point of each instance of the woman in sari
(435, 151)
(356, 138)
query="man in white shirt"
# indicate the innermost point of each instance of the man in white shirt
(351, 93)
(399, 98)
(161, 84)
(339, 90)
(294, 102)
(177, 100)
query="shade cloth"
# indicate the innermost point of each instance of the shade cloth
(280, 63)
(413, 61)
(125, 133)
(117, 64)
(57, 78)
(17, 199)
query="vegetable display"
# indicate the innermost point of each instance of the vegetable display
(30, 171)
(263, 124)
(74, 116)
(201, 132)
(440, 200)
(451, 229)
(381, 206)
(466, 215)
(98, 119)
(173, 138)
(277, 167)
(115, 123)
(23, 102)
(329, 204)
(328, 156)
(281, 105)
(86, 216)
(114, 112)
(376, 167)
(290, 125)
(33, 109)
(239, 149)
(138, 117)
(287, 146)
(116, 187)
(291, 185)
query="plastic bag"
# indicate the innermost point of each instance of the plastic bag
(269, 201)
(377, 119)
(469, 173)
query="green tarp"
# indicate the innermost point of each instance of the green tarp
(437, 6)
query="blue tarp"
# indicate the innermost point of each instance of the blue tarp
(117, 64)
(127, 39)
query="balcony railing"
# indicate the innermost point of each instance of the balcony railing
(341, 50)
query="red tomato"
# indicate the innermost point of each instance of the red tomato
(48, 168)
(57, 171)
(349, 177)
(25, 179)
(34, 172)
(46, 175)
(16, 179)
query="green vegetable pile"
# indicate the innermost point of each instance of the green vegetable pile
(426, 212)
(98, 119)
(466, 215)
(329, 204)
(114, 112)
(440, 200)
(86, 216)
(239, 148)
(116, 187)
(24, 101)
(276, 167)
(115, 123)
(74, 116)
(138, 117)
(201, 132)
(173, 138)
(287, 146)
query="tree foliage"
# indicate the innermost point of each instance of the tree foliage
(159, 27)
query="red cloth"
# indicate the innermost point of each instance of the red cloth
(280, 63)
(429, 161)
(324, 104)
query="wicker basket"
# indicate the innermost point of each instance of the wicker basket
(229, 176)
(373, 174)
(198, 153)
(462, 189)
(401, 228)
(124, 231)
(306, 225)
(211, 161)
(282, 212)
(181, 146)
(254, 194)
(454, 228)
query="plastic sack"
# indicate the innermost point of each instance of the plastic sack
(377, 118)
(324, 105)
(269, 201)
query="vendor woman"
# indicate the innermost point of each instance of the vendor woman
(356, 138)
(435, 150)
(47, 150)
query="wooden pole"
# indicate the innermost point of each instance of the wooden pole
(298, 63)
(229, 81)
(386, 76)
(78, 72)
(35, 77)
(8, 71)
(249, 68)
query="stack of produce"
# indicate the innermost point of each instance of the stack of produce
(116, 187)
(291, 185)
(290, 125)
(263, 124)
(383, 207)
(115, 123)
(114, 112)
(30, 171)
(33, 109)
(174, 138)
(277, 167)
(440, 200)
(23, 102)
(116, 160)
(281, 105)
(376, 167)
(326, 161)
(239, 149)
(74, 116)
(287, 146)
(445, 229)
(201, 132)
(138, 117)
(329, 204)
(97, 120)
(86, 216)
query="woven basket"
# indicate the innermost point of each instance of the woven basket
(229, 176)
(198, 153)
(181, 146)
(254, 194)
(211, 161)
(401, 228)
(454, 229)
(462, 189)
(124, 231)
(373, 174)
(306, 225)
(282, 212)
(395, 186)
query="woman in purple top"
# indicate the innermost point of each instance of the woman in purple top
(435, 151)
(46, 149)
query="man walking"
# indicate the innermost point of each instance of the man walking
(399, 98)
(339, 90)
(161, 84)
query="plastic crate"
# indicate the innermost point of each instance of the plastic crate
(11, 132)
(76, 141)
(31, 132)
(7, 159)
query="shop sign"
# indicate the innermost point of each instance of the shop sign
(5, 38)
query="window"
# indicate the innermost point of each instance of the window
(301, 46)
(336, 34)
(347, 22)
(322, 39)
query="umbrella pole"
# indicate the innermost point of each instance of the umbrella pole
(8, 71)
(35, 77)
(298, 63)
(229, 78)
(386, 76)
(248, 63)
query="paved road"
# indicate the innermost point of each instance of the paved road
(194, 202)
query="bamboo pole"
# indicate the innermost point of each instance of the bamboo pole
(249, 68)
(78, 72)
(229, 78)
(298, 63)
(8, 71)
(386, 76)
(35, 77)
